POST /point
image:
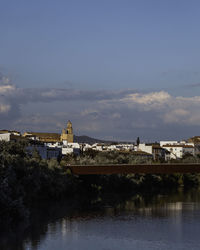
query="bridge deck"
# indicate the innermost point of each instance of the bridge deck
(140, 169)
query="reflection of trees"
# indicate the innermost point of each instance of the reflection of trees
(59, 217)
(42, 219)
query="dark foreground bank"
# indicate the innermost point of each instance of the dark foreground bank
(26, 180)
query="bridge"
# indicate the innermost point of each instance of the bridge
(133, 169)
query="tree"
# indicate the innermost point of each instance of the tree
(138, 141)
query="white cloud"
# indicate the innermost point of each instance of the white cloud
(153, 98)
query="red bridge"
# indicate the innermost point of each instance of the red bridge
(134, 169)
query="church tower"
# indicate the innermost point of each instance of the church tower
(67, 133)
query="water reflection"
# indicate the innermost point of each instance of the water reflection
(159, 222)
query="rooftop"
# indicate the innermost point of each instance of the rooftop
(178, 146)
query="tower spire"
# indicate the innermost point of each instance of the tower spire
(67, 134)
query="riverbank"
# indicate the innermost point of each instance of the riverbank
(26, 180)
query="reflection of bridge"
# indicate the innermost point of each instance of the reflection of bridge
(134, 169)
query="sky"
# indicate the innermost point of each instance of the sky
(118, 69)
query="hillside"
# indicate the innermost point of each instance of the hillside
(87, 139)
(90, 140)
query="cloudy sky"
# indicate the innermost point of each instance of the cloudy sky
(117, 69)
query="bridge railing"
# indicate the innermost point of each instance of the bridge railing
(138, 168)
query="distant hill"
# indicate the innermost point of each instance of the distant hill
(87, 139)
(90, 140)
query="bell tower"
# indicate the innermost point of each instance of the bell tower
(67, 133)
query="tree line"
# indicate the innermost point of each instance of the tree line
(26, 179)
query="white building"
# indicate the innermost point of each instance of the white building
(121, 146)
(53, 144)
(168, 142)
(70, 151)
(85, 146)
(155, 149)
(175, 143)
(178, 151)
(97, 146)
(109, 147)
(5, 137)
(66, 147)
(145, 148)
(71, 148)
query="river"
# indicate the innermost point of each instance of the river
(157, 222)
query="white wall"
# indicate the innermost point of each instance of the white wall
(178, 152)
(5, 137)
(168, 142)
(73, 145)
(70, 151)
(145, 148)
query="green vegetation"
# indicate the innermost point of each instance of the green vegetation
(92, 157)
(26, 180)
(188, 158)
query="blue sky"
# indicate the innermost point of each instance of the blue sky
(143, 46)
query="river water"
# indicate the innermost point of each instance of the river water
(159, 222)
